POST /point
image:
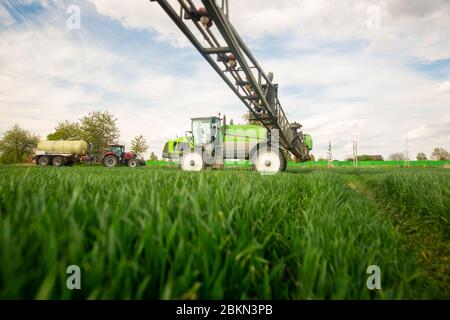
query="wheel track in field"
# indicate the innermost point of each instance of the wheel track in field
(426, 248)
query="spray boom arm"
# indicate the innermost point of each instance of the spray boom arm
(236, 65)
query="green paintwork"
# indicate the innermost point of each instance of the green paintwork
(246, 132)
(171, 145)
(308, 141)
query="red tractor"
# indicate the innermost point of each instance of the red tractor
(116, 155)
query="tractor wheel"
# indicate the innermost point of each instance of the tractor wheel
(110, 161)
(192, 161)
(58, 161)
(44, 161)
(269, 161)
(133, 163)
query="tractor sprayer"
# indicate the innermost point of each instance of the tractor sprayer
(211, 140)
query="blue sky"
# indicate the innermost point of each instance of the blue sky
(344, 73)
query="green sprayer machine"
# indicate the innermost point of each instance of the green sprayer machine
(211, 140)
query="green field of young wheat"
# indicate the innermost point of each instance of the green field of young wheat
(161, 233)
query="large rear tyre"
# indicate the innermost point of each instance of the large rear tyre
(133, 163)
(43, 161)
(58, 161)
(110, 161)
(269, 161)
(192, 161)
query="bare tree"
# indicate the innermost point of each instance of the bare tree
(398, 156)
(440, 154)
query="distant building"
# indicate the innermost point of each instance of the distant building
(367, 157)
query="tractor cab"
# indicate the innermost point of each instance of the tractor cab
(206, 131)
(207, 144)
(117, 150)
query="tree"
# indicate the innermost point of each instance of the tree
(440, 154)
(398, 156)
(153, 157)
(100, 129)
(17, 144)
(421, 156)
(66, 131)
(139, 145)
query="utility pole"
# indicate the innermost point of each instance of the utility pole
(330, 155)
(355, 153)
(407, 152)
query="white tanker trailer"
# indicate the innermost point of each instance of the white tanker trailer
(60, 153)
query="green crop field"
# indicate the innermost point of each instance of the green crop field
(157, 232)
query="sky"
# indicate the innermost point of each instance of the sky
(377, 72)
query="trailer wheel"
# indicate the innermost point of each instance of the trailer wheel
(110, 161)
(58, 161)
(133, 163)
(269, 161)
(192, 161)
(44, 161)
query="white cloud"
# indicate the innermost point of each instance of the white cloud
(369, 95)
(142, 15)
(443, 87)
(408, 28)
(5, 17)
(46, 77)
(345, 97)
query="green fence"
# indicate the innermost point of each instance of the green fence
(335, 163)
